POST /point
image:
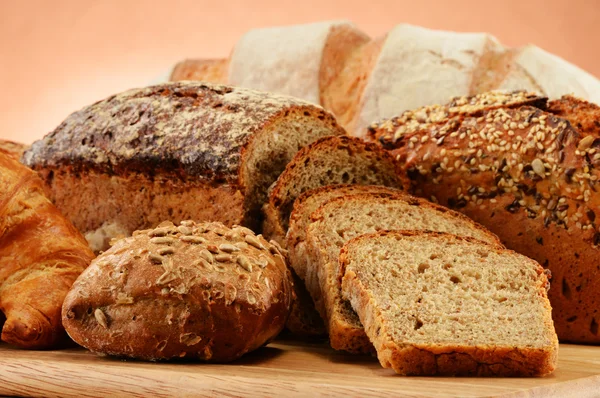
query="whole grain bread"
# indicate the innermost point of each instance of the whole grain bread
(344, 218)
(329, 160)
(193, 290)
(185, 150)
(438, 304)
(306, 205)
(531, 177)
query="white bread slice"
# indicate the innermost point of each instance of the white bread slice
(330, 160)
(417, 67)
(344, 218)
(534, 68)
(289, 59)
(437, 304)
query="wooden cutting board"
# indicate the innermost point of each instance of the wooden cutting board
(282, 369)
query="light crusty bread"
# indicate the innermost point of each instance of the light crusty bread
(344, 218)
(329, 160)
(299, 60)
(309, 202)
(194, 290)
(438, 304)
(530, 176)
(184, 150)
(362, 80)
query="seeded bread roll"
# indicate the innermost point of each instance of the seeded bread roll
(438, 304)
(13, 149)
(329, 160)
(531, 177)
(346, 217)
(184, 150)
(199, 291)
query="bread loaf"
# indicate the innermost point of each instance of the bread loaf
(362, 80)
(528, 174)
(344, 218)
(41, 255)
(185, 150)
(438, 304)
(200, 291)
(330, 160)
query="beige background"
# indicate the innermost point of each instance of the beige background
(58, 56)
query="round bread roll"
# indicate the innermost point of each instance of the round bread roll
(192, 290)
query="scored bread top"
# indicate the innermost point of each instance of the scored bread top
(187, 128)
(390, 130)
(204, 289)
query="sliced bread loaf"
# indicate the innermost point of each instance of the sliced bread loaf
(329, 160)
(309, 202)
(344, 218)
(434, 303)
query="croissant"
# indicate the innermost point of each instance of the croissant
(41, 255)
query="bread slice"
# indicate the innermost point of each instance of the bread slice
(434, 303)
(309, 202)
(344, 218)
(304, 319)
(329, 160)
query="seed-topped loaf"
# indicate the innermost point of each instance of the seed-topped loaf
(344, 218)
(529, 175)
(329, 160)
(191, 290)
(438, 304)
(184, 150)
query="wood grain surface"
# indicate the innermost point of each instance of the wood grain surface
(283, 369)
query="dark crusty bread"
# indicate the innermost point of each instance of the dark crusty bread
(531, 177)
(344, 218)
(13, 149)
(174, 151)
(329, 160)
(438, 304)
(194, 290)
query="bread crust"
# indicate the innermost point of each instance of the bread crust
(531, 178)
(41, 255)
(199, 291)
(436, 359)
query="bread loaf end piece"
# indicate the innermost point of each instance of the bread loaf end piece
(182, 150)
(438, 304)
(329, 160)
